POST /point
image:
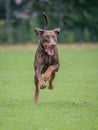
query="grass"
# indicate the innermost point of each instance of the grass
(72, 105)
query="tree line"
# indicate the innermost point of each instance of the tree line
(78, 19)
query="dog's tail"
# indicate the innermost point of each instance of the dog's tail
(46, 20)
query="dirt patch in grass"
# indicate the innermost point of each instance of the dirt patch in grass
(27, 46)
(78, 46)
(30, 46)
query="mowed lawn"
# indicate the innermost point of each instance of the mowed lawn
(71, 105)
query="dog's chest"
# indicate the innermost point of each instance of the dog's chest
(48, 61)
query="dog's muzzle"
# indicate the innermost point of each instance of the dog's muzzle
(50, 50)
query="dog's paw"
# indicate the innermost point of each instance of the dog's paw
(35, 100)
(51, 87)
(42, 84)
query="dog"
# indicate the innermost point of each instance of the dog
(46, 58)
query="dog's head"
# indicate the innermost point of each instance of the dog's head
(48, 39)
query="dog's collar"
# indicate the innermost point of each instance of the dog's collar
(41, 47)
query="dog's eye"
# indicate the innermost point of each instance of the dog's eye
(54, 37)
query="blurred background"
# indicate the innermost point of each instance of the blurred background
(78, 20)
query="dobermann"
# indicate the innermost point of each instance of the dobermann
(46, 58)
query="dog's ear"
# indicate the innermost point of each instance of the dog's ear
(39, 31)
(57, 30)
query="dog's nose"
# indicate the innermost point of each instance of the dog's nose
(53, 44)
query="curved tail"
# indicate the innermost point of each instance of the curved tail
(46, 20)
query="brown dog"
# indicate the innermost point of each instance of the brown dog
(46, 58)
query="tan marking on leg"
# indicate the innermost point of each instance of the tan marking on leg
(47, 75)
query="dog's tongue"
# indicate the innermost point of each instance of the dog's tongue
(50, 51)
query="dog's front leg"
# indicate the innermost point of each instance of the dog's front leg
(41, 81)
(49, 71)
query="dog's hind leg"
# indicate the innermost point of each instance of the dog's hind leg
(51, 81)
(36, 91)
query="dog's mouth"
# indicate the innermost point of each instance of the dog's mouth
(50, 51)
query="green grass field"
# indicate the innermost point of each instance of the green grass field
(71, 105)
